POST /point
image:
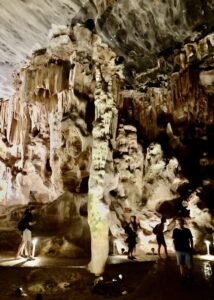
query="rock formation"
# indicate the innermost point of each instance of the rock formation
(90, 136)
(138, 30)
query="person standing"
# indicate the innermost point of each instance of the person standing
(26, 227)
(183, 244)
(131, 230)
(159, 231)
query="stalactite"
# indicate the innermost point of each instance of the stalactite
(54, 120)
(10, 119)
(24, 131)
(4, 116)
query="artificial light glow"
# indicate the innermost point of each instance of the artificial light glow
(208, 246)
(34, 242)
(206, 257)
(118, 246)
(207, 242)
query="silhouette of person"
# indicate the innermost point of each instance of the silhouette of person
(131, 231)
(160, 237)
(25, 244)
(183, 244)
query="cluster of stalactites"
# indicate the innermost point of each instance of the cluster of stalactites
(57, 85)
(179, 95)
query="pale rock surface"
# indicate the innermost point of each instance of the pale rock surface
(73, 136)
(139, 30)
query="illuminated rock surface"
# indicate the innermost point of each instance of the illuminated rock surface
(138, 30)
(109, 119)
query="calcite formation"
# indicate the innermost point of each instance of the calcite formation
(65, 91)
(138, 29)
(87, 139)
(107, 73)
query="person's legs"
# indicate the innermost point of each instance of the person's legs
(185, 264)
(159, 249)
(165, 249)
(181, 262)
(129, 251)
(159, 245)
(133, 249)
(21, 248)
(29, 249)
(25, 253)
(27, 233)
(161, 242)
(22, 245)
(182, 270)
(188, 264)
(24, 250)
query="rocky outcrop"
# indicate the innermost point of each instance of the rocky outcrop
(139, 30)
(67, 89)
(134, 143)
(170, 104)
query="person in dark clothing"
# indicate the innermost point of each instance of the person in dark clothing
(26, 228)
(131, 230)
(160, 236)
(183, 244)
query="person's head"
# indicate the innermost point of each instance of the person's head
(28, 210)
(180, 223)
(133, 219)
(163, 220)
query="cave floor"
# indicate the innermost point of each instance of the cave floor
(148, 278)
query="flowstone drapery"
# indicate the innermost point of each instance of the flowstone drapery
(77, 130)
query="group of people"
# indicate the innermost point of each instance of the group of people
(182, 241)
(25, 226)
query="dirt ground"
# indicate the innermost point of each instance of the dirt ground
(145, 280)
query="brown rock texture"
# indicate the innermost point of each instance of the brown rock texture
(86, 138)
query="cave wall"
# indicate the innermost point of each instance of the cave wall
(82, 123)
(139, 30)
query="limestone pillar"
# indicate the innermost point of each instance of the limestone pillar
(98, 208)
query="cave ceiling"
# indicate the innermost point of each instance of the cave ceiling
(138, 30)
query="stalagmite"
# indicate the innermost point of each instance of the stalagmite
(98, 209)
(78, 137)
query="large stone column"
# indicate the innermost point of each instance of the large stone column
(98, 208)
